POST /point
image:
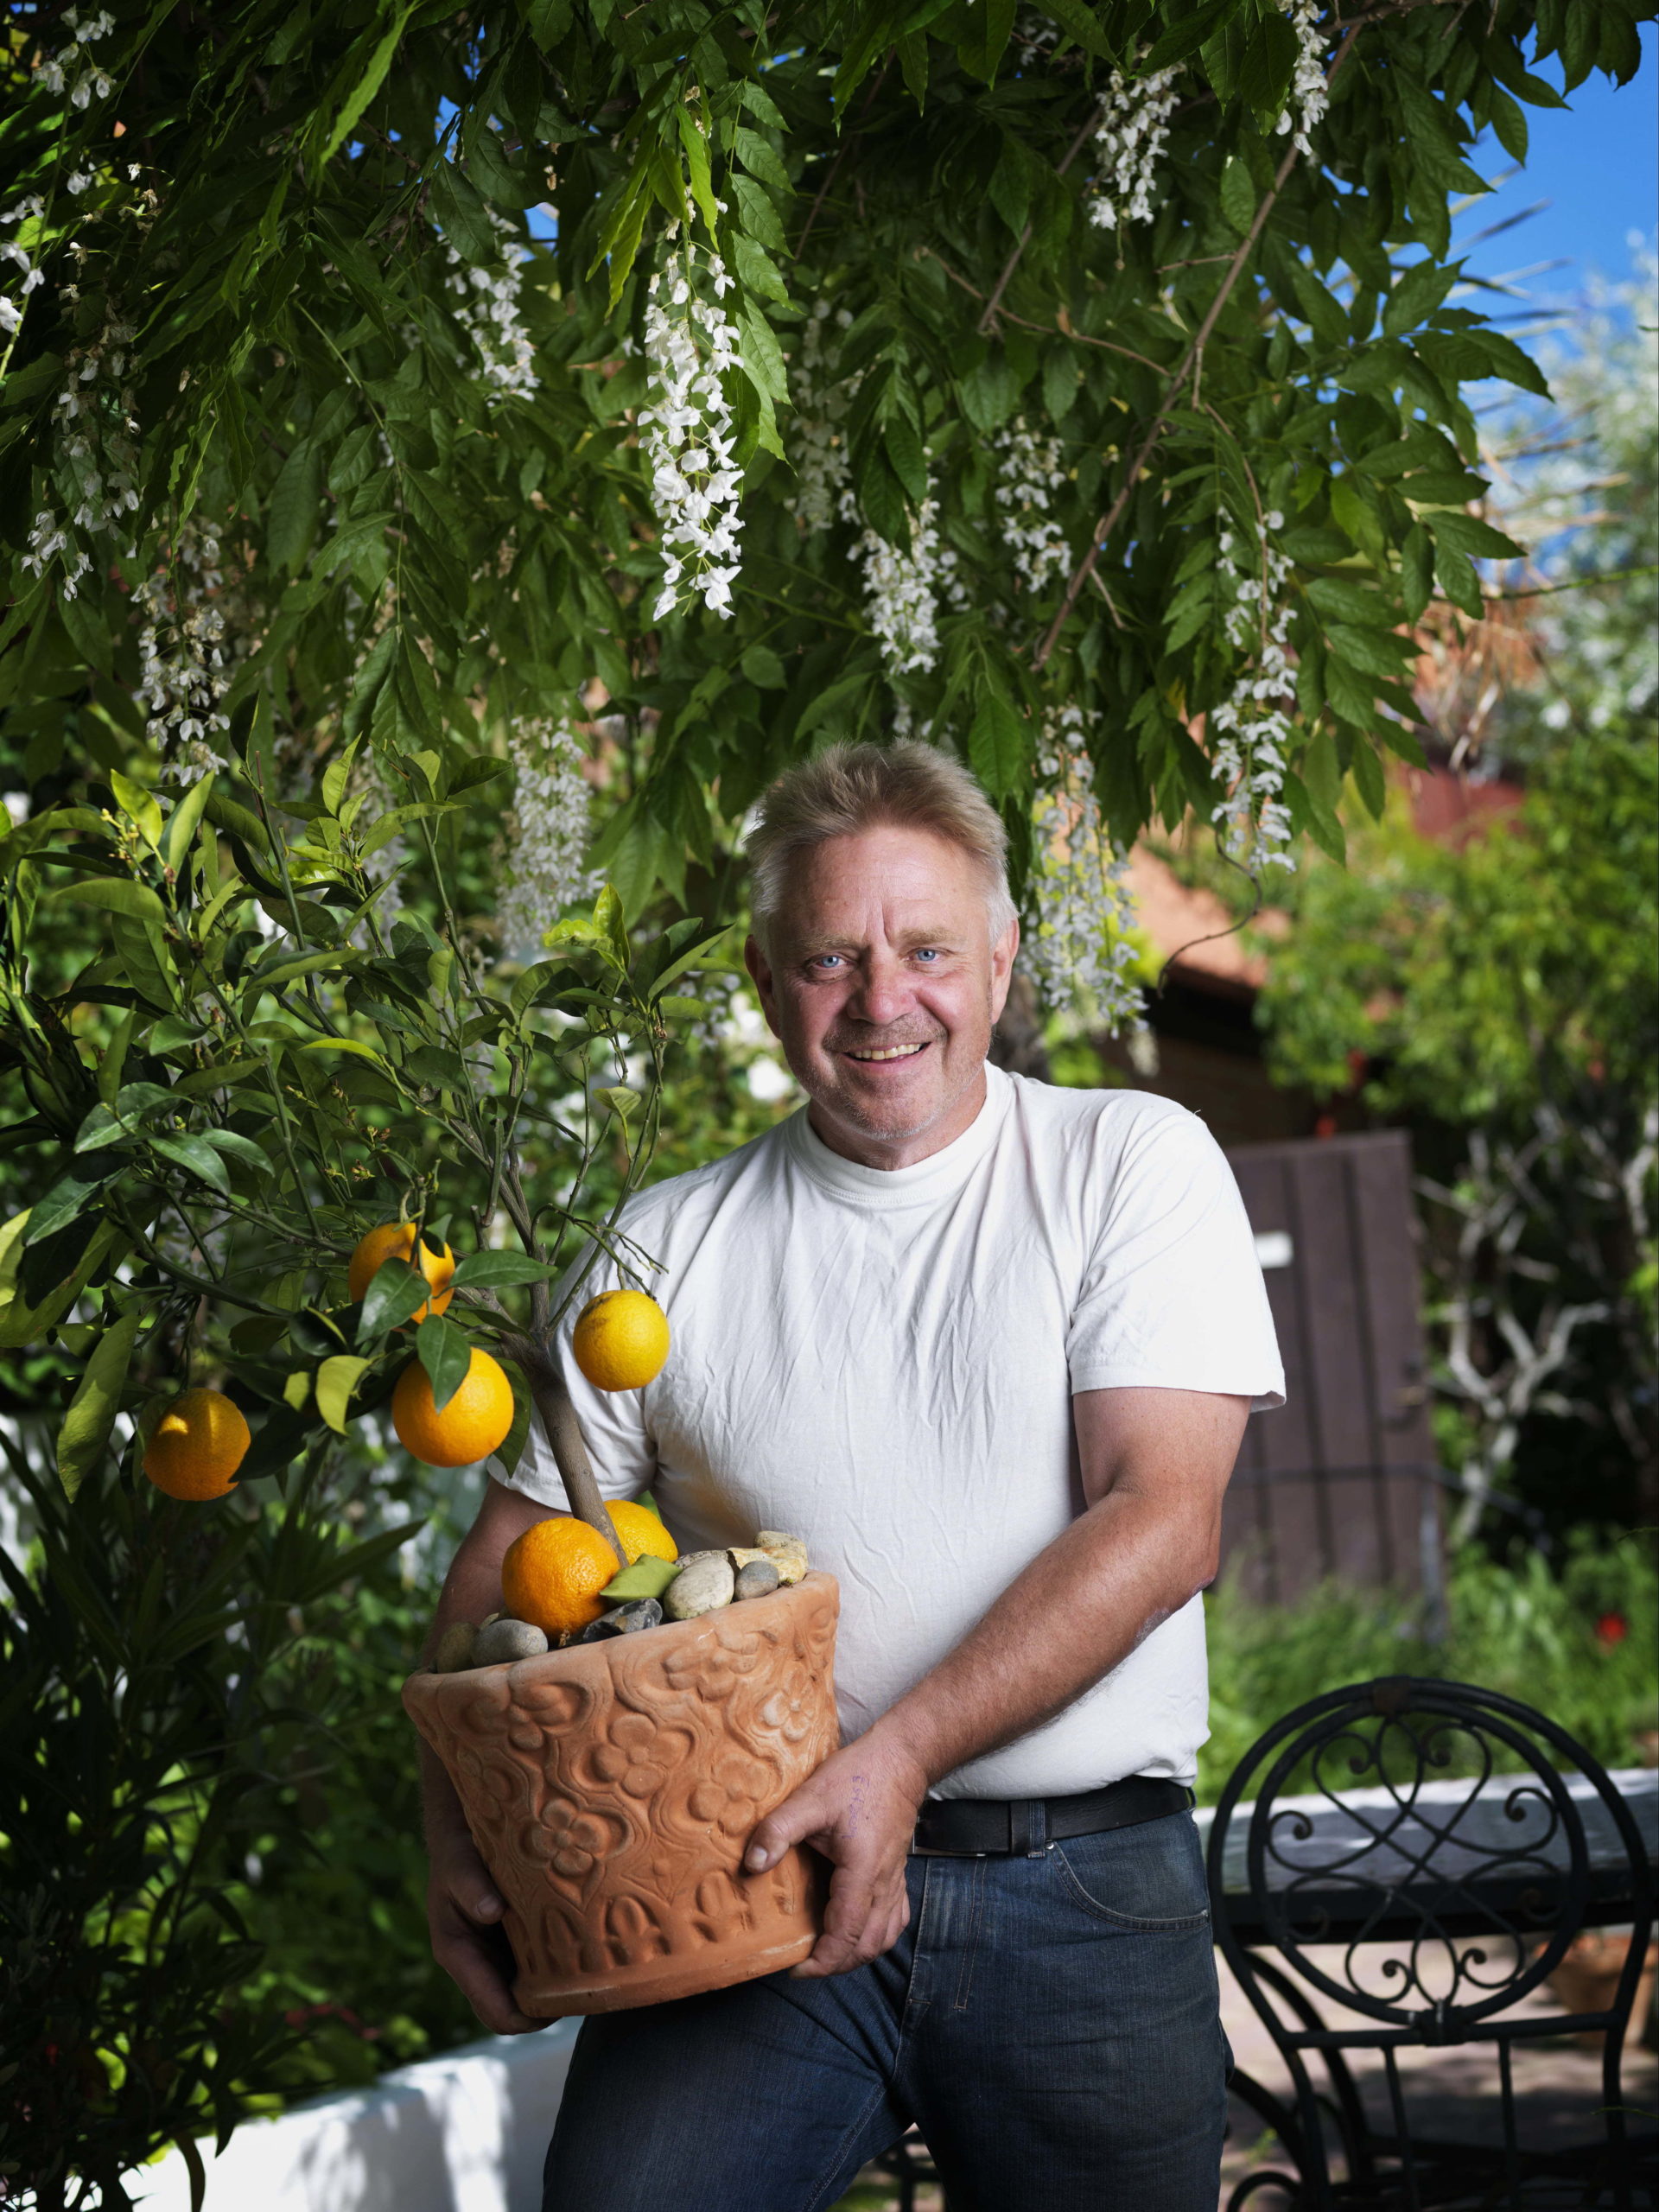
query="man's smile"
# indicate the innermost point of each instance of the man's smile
(892, 1052)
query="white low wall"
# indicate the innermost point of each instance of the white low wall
(466, 2132)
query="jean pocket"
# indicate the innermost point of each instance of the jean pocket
(1149, 1879)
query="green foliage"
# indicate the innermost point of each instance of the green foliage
(1577, 1643)
(270, 302)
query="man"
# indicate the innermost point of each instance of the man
(989, 1346)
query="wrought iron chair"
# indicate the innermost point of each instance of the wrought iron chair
(1439, 1824)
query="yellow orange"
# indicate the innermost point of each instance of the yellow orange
(621, 1340)
(552, 1575)
(197, 1446)
(396, 1240)
(473, 1424)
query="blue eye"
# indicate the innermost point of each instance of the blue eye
(825, 959)
(928, 952)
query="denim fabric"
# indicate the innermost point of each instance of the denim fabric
(1051, 2025)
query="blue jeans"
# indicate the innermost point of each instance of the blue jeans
(1051, 2025)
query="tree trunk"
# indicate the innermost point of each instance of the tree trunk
(552, 1397)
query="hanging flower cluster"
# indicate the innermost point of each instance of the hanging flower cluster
(486, 308)
(94, 462)
(1310, 95)
(1076, 947)
(1131, 136)
(1028, 471)
(821, 467)
(72, 69)
(902, 587)
(188, 653)
(549, 832)
(1250, 729)
(690, 344)
(31, 210)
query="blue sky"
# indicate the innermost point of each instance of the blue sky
(1596, 164)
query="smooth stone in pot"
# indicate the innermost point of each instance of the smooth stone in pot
(505, 1640)
(624, 1620)
(757, 1578)
(454, 1651)
(702, 1586)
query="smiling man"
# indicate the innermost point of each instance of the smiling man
(990, 1347)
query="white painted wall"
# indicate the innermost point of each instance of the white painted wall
(466, 2132)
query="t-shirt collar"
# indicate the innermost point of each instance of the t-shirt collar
(940, 1175)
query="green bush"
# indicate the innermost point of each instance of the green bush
(1577, 1643)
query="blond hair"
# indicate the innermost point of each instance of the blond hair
(849, 788)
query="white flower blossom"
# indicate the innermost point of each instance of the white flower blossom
(486, 308)
(187, 651)
(548, 869)
(1131, 136)
(72, 69)
(1028, 471)
(902, 587)
(822, 468)
(696, 482)
(1077, 945)
(1250, 730)
(1310, 96)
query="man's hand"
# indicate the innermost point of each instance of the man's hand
(859, 1810)
(463, 1911)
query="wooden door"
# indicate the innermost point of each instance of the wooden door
(1341, 1480)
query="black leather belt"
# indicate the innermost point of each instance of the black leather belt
(987, 1827)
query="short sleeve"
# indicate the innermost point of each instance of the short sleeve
(614, 1423)
(1172, 1296)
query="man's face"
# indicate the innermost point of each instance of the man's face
(883, 986)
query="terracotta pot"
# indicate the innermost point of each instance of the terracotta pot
(612, 1790)
(1586, 1981)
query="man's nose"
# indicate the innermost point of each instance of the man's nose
(883, 993)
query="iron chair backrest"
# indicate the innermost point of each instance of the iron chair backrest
(1478, 1891)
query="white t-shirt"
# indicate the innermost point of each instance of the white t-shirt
(882, 1361)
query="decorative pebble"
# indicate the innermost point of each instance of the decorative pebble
(757, 1578)
(505, 1639)
(624, 1620)
(454, 1651)
(787, 1554)
(645, 1578)
(703, 1586)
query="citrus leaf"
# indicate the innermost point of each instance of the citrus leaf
(196, 1154)
(392, 1296)
(138, 804)
(510, 1451)
(499, 1271)
(444, 1352)
(86, 1425)
(336, 1380)
(117, 893)
(183, 822)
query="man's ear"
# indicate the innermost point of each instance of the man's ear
(1003, 950)
(760, 976)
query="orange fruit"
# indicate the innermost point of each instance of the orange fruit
(197, 1446)
(621, 1340)
(472, 1425)
(395, 1240)
(552, 1575)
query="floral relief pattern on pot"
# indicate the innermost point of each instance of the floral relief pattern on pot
(612, 1788)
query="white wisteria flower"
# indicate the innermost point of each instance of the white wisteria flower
(1310, 95)
(902, 587)
(72, 68)
(691, 343)
(548, 834)
(486, 308)
(1131, 136)
(822, 468)
(1028, 471)
(1250, 730)
(187, 651)
(1076, 947)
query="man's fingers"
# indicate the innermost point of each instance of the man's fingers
(799, 1816)
(477, 1957)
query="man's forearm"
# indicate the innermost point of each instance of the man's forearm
(1079, 1608)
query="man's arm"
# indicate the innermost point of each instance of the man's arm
(462, 1906)
(1156, 1466)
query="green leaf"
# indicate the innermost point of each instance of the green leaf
(648, 1576)
(1237, 195)
(1468, 534)
(1269, 64)
(1183, 38)
(291, 509)
(994, 24)
(367, 85)
(446, 1354)
(499, 1271)
(511, 1448)
(549, 22)
(696, 157)
(460, 213)
(138, 805)
(618, 1099)
(904, 448)
(198, 1156)
(336, 1380)
(996, 745)
(1416, 571)
(612, 925)
(1416, 295)
(236, 1147)
(182, 824)
(393, 1294)
(763, 669)
(117, 894)
(73, 1193)
(91, 1416)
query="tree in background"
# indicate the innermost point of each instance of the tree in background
(1504, 990)
(1056, 386)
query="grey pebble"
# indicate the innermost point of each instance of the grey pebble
(703, 1586)
(504, 1640)
(454, 1651)
(624, 1620)
(757, 1578)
